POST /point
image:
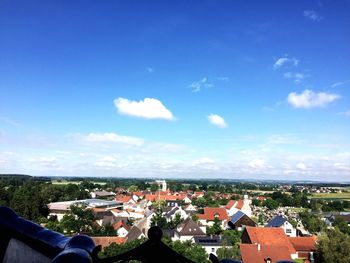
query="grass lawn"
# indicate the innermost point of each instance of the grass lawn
(64, 182)
(331, 196)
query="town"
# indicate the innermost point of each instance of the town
(251, 222)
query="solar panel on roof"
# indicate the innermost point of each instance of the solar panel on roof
(277, 221)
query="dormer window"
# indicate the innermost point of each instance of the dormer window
(268, 260)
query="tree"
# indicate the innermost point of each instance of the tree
(215, 229)
(132, 188)
(229, 252)
(188, 249)
(200, 202)
(159, 220)
(27, 202)
(175, 222)
(115, 249)
(78, 220)
(232, 236)
(271, 204)
(311, 222)
(4, 197)
(342, 225)
(333, 246)
(256, 202)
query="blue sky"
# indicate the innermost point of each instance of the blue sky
(221, 89)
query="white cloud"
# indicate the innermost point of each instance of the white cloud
(340, 83)
(345, 113)
(217, 120)
(311, 14)
(107, 162)
(9, 121)
(45, 161)
(204, 161)
(298, 77)
(301, 166)
(309, 99)
(150, 69)
(110, 137)
(225, 79)
(148, 108)
(198, 85)
(257, 163)
(285, 60)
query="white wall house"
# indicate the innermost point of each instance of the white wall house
(282, 222)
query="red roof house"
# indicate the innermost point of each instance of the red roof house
(256, 253)
(212, 213)
(269, 236)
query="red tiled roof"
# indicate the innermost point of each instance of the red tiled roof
(251, 254)
(210, 213)
(106, 241)
(164, 197)
(261, 198)
(239, 204)
(230, 204)
(120, 224)
(304, 243)
(123, 198)
(273, 236)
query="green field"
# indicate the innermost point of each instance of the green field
(331, 196)
(65, 182)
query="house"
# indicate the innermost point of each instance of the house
(121, 228)
(134, 233)
(282, 222)
(187, 230)
(125, 199)
(257, 253)
(103, 217)
(106, 241)
(172, 203)
(233, 206)
(198, 194)
(305, 247)
(190, 209)
(102, 194)
(212, 213)
(211, 243)
(240, 220)
(269, 236)
(59, 209)
(177, 210)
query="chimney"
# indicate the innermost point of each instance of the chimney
(258, 247)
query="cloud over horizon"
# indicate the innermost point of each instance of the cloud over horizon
(111, 137)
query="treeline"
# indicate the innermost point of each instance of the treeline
(29, 197)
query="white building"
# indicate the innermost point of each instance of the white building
(282, 222)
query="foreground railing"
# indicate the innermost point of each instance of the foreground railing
(24, 241)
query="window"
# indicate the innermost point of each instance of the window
(288, 231)
(212, 249)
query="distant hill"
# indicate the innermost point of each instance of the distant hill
(16, 175)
